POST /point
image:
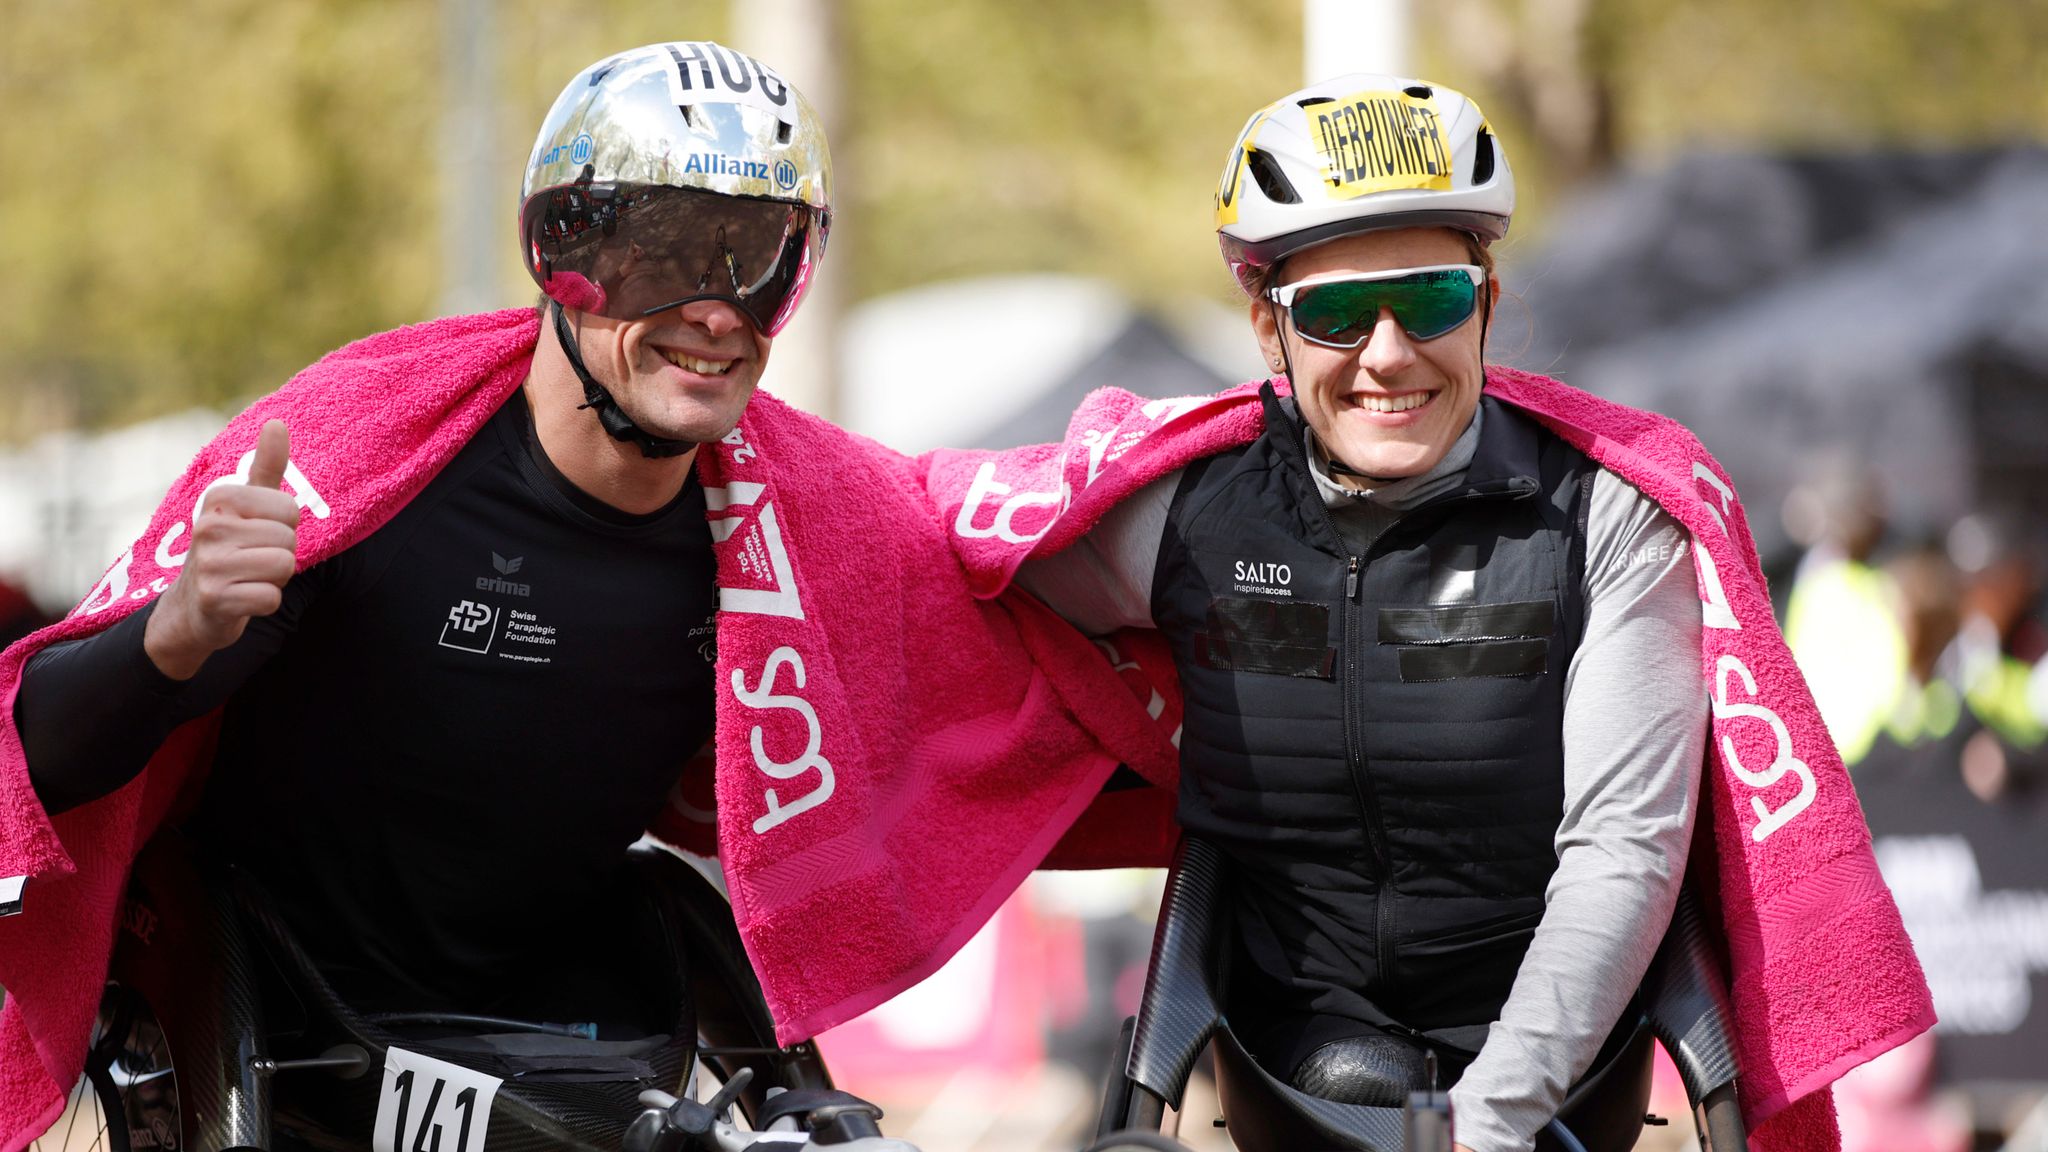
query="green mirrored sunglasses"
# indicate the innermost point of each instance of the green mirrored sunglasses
(1340, 311)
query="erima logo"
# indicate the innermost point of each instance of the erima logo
(505, 568)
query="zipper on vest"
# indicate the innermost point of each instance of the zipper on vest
(1384, 926)
(1514, 488)
(1361, 778)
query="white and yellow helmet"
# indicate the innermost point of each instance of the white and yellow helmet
(1356, 154)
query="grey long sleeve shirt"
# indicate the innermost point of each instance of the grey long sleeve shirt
(1635, 730)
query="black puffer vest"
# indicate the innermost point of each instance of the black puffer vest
(1376, 739)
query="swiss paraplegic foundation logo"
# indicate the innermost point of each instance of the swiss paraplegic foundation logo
(471, 626)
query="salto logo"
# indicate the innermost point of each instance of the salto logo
(1262, 572)
(505, 568)
(471, 627)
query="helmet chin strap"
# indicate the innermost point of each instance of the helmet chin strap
(616, 423)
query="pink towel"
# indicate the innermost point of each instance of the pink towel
(371, 424)
(1824, 977)
(899, 740)
(1823, 974)
(893, 754)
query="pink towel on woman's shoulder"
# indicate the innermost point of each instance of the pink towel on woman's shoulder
(1823, 974)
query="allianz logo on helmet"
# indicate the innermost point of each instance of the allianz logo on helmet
(578, 151)
(713, 164)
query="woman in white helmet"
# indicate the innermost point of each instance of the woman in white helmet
(1440, 669)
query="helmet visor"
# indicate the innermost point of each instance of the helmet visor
(627, 251)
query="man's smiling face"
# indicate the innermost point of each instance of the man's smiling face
(681, 374)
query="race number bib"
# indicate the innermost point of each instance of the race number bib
(431, 1105)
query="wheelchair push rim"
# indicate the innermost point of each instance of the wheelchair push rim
(126, 1100)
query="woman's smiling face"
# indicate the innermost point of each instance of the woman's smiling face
(1393, 406)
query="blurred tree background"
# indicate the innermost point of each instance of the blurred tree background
(203, 197)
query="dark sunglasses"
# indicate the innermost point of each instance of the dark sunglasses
(1340, 311)
(630, 250)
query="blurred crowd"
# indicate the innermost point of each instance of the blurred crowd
(1928, 656)
(1909, 642)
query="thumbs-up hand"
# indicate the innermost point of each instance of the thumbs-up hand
(244, 546)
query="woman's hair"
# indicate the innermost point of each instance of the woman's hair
(1482, 255)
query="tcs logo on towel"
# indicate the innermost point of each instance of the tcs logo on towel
(1729, 670)
(1104, 446)
(756, 577)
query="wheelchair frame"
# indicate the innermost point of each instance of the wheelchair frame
(1683, 997)
(200, 946)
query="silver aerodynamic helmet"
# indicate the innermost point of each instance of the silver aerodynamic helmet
(678, 172)
(1356, 154)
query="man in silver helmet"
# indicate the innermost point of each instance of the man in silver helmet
(441, 812)
(676, 203)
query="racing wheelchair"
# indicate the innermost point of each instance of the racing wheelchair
(216, 1032)
(1683, 1003)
